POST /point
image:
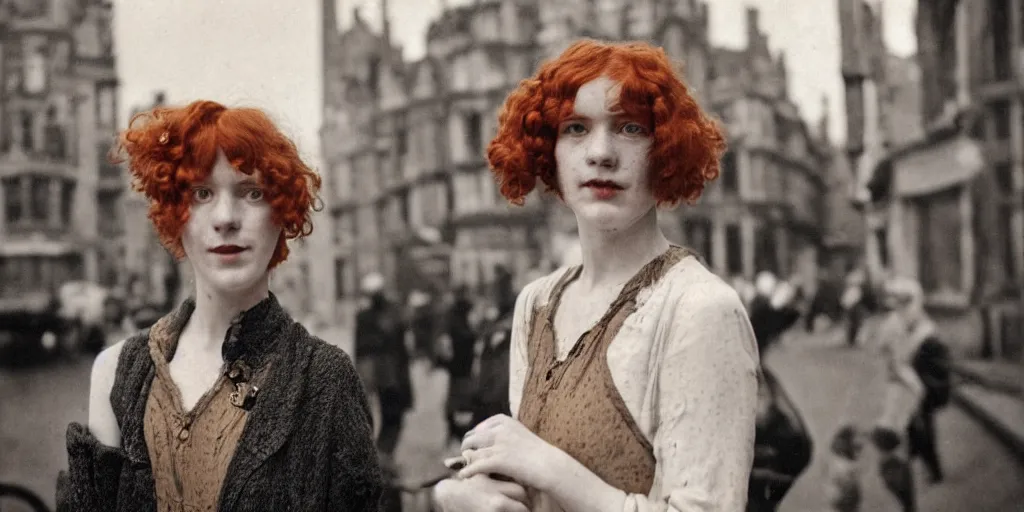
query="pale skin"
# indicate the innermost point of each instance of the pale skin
(618, 236)
(227, 208)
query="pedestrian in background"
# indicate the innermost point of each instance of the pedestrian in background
(380, 337)
(917, 386)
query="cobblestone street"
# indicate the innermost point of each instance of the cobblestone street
(831, 385)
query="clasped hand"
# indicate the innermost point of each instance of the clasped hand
(499, 448)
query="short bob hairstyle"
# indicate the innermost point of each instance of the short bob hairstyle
(687, 143)
(170, 149)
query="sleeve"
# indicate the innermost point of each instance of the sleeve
(94, 472)
(357, 482)
(707, 399)
(518, 364)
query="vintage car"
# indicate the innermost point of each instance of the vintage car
(37, 325)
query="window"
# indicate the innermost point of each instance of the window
(734, 250)
(730, 173)
(765, 253)
(1009, 257)
(882, 240)
(401, 141)
(373, 74)
(999, 28)
(1004, 176)
(13, 200)
(28, 132)
(939, 235)
(340, 278)
(1000, 111)
(35, 66)
(474, 135)
(67, 201)
(40, 199)
(698, 237)
(106, 105)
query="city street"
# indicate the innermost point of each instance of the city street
(832, 385)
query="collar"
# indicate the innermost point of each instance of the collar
(251, 337)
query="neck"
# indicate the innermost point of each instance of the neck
(613, 257)
(215, 310)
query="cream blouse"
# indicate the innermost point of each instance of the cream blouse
(686, 364)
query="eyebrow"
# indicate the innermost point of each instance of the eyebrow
(248, 182)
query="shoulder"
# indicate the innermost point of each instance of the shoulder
(104, 368)
(107, 362)
(691, 287)
(705, 311)
(329, 368)
(536, 293)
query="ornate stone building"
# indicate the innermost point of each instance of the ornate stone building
(60, 216)
(410, 192)
(945, 207)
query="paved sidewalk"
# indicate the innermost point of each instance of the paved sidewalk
(993, 393)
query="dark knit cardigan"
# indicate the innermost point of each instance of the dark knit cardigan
(307, 444)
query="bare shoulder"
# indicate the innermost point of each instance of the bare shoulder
(102, 422)
(104, 368)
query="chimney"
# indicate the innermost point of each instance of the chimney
(385, 24)
(753, 24)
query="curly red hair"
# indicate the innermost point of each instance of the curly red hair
(170, 149)
(687, 143)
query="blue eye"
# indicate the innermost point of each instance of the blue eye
(201, 194)
(574, 129)
(634, 129)
(254, 194)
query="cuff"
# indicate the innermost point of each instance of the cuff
(94, 471)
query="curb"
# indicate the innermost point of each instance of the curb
(993, 424)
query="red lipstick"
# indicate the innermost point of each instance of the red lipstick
(227, 249)
(603, 189)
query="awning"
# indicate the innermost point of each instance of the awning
(938, 166)
(52, 248)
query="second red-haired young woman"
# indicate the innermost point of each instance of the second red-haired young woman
(633, 375)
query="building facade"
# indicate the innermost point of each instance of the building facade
(946, 208)
(411, 195)
(60, 215)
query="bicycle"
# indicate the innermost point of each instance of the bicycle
(16, 498)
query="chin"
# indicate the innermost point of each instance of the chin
(606, 216)
(236, 280)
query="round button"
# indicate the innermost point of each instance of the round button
(183, 435)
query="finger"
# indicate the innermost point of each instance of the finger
(511, 490)
(482, 462)
(509, 505)
(478, 440)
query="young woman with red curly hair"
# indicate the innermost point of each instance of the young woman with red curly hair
(226, 403)
(633, 375)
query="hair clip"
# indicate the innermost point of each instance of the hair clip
(165, 137)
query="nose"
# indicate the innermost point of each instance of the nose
(225, 215)
(601, 152)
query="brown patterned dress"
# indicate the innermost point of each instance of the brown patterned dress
(574, 404)
(192, 450)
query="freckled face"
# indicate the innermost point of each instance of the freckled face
(230, 235)
(601, 157)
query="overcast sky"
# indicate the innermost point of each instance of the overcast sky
(266, 53)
